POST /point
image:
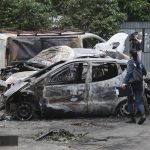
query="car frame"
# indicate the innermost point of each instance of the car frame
(87, 96)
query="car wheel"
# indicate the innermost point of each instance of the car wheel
(123, 109)
(24, 111)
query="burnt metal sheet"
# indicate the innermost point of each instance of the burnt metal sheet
(103, 96)
(14, 89)
(22, 49)
(66, 98)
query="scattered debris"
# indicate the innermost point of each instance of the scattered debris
(81, 124)
(56, 135)
(60, 135)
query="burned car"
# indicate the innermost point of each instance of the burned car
(40, 61)
(79, 87)
(43, 59)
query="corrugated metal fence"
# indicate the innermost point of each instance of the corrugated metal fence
(144, 30)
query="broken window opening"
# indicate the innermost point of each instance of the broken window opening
(72, 74)
(104, 71)
(43, 71)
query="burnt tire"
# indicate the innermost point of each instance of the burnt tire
(25, 111)
(123, 109)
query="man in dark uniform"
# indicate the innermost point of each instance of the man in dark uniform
(136, 43)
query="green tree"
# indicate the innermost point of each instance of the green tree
(25, 14)
(136, 10)
(102, 17)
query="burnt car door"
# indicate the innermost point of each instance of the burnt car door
(65, 90)
(105, 77)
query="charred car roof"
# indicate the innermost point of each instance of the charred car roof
(63, 63)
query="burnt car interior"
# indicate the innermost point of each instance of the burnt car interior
(104, 71)
(43, 71)
(72, 74)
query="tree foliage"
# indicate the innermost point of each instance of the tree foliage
(25, 14)
(99, 16)
(102, 17)
(136, 10)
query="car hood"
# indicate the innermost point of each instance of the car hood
(14, 89)
(19, 76)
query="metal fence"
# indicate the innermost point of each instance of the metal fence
(144, 30)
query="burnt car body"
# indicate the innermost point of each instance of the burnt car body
(40, 61)
(45, 58)
(80, 87)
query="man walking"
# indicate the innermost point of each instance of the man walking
(136, 86)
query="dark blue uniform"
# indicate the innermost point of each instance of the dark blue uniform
(136, 87)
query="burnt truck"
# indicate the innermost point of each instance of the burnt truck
(79, 87)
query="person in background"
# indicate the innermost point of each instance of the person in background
(136, 88)
(136, 43)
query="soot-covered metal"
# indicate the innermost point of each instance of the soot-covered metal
(82, 87)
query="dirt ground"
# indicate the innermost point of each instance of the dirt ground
(110, 133)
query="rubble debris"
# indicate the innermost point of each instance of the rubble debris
(44, 135)
(82, 124)
(60, 135)
(4, 116)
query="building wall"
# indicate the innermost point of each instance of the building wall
(144, 30)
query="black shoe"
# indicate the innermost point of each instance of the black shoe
(132, 120)
(141, 121)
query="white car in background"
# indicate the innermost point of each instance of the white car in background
(115, 43)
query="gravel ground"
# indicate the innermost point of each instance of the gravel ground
(110, 133)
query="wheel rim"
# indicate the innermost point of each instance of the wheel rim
(24, 111)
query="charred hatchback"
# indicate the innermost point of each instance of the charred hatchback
(80, 87)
